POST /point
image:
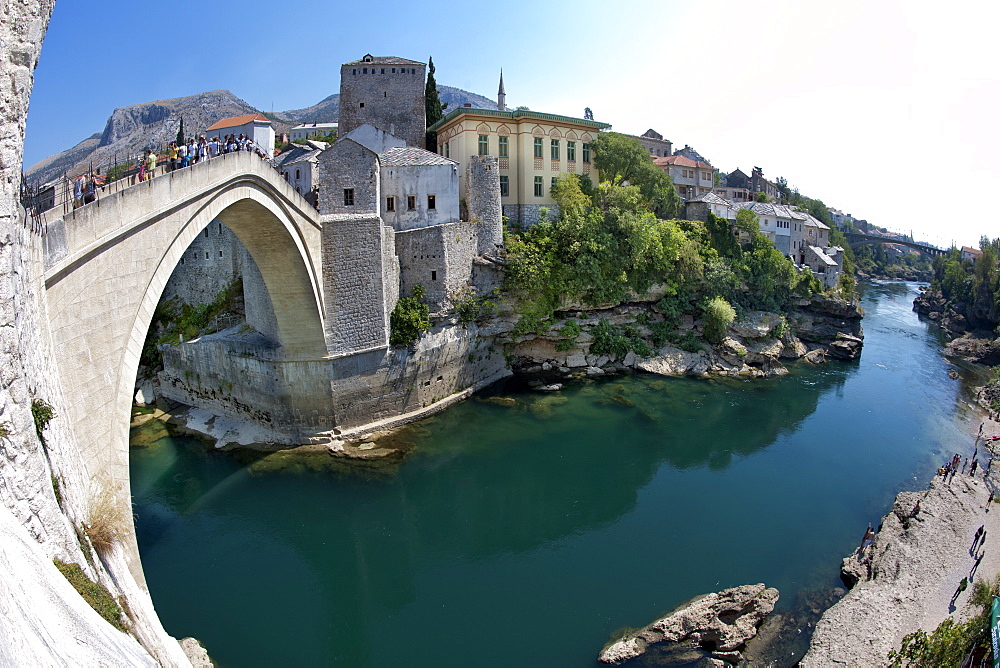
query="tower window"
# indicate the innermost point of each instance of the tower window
(390, 203)
(348, 196)
(362, 105)
(411, 202)
(434, 275)
(431, 201)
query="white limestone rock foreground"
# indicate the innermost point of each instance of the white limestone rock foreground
(718, 623)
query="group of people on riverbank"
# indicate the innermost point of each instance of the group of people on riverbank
(950, 468)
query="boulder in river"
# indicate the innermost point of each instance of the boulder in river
(718, 624)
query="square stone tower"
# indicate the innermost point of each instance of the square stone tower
(386, 92)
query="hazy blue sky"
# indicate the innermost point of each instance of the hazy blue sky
(882, 108)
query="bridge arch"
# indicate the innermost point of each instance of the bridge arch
(106, 266)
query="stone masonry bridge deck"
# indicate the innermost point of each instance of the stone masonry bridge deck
(857, 239)
(106, 265)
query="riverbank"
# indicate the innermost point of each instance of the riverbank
(917, 560)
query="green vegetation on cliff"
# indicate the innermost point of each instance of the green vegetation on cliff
(616, 241)
(953, 643)
(974, 283)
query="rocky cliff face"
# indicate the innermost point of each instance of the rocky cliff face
(637, 336)
(46, 493)
(956, 318)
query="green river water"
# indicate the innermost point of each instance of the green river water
(525, 535)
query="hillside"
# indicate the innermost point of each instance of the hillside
(328, 109)
(131, 129)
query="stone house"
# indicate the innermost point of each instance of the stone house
(406, 201)
(298, 164)
(775, 222)
(755, 183)
(532, 150)
(654, 142)
(691, 177)
(699, 207)
(255, 126)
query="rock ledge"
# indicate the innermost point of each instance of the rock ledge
(719, 624)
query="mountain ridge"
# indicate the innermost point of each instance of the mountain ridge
(131, 129)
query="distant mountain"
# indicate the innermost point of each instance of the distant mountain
(131, 129)
(328, 109)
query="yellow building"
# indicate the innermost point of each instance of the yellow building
(533, 149)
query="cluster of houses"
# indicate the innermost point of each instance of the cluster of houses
(532, 150)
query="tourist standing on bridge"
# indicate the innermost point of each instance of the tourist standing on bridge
(172, 156)
(78, 192)
(150, 163)
(182, 154)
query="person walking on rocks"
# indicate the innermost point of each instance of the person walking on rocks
(972, 469)
(961, 587)
(989, 501)
(975, 539)
(964, 464)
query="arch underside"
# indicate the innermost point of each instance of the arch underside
(100, 310)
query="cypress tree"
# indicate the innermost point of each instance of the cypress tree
(180, 133)
(432, 105)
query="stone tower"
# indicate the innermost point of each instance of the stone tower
(501, 95)
(386, 92)
(483, 197)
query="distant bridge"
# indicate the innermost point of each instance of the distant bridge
(857, 239)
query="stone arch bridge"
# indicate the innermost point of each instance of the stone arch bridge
(858, 239)
(106, 265)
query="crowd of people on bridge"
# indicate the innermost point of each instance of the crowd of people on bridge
(178, 155)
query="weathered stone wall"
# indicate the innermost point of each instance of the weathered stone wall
(391, 101)
(439, 258)
(256, 299)
(210, 263)
(526, 215)
(348, 165)
(399, 182)
(43, 620)
(243, 380)
(354, 283)
(379, 385)
(484, 203)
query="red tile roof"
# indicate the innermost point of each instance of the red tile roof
(681, 161)
(236, 121)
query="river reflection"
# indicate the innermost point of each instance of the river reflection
(524, 534)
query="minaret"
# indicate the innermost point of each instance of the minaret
(501, 95)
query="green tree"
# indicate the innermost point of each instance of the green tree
(180, 133)
(432, 106)
(622, 160)
(409, 319)
(719, 314)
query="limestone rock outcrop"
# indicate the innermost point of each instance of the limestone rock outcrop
(719, 624)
